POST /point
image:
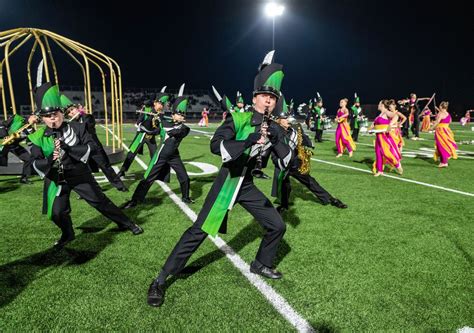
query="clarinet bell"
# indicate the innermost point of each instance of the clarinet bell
(257, 173)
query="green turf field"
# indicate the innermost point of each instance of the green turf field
(399, 259)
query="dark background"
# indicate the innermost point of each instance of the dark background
(381, 49)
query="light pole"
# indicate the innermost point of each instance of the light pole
(273, 10)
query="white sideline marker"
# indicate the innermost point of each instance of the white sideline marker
(275, 299)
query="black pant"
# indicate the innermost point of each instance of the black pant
(151, 144)
(355, 134)
(91, 192)
(159, 171)
(307, 181)
(406, 129)
(256, 204)
(319, 135)
(103, 162)
(21, 153)
(415, 127)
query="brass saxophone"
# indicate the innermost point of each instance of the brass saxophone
(304, 154)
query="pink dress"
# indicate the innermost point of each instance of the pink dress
(444, 141)
(343, 134)
(386, 149)
(426, 124)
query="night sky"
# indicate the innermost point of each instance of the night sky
(378, 48)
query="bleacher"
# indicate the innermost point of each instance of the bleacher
(133, 100)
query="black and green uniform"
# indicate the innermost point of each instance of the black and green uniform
(72, 174)
(148, 127)
(235, 142)
(356, 112)
(100, 160)
(12, 125)
(71, 171)
(309, 115)
(281, 188)
(318, 123)
(165, 158)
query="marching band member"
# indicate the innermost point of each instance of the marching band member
(167, 156)
(298, 168)
(355, 118)
(99, 159)
(244, 142)
(12, 132)
(318, 119)
(148, 126)
(240, 104)
(343, 131)
(60, 153)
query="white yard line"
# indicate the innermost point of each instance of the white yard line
(397, 178)
(275, 299)
(203, 132)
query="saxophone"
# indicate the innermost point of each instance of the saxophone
(304, 154)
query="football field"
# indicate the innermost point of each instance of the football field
(400, 258)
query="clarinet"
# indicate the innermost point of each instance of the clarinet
(257, 171)
(58, 162)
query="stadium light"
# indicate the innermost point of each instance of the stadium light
(273, 9)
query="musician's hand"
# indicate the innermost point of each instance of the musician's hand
(57, 144)
(252, 139)
(261, 141)
(64, 146)
(32, 119)
(55, 154)
(273, 134)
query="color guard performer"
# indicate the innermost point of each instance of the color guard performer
(444, 137)
(343, 131)
(386, 150)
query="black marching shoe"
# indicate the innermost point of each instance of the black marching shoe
(120, 175)
(122, 188)
(264, 271)
(129, 204)
(338, 203)
(25, 180)
(63, 241)
(281, 210)
(134, 228)
(187, 200)
(156, 294)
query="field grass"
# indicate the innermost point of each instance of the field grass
(400, 258)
